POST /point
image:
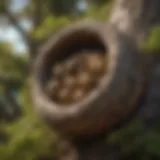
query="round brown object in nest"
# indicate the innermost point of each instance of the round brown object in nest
(74, 64)
(96, 63)
(83, 79)
(51, 88)
(63, 95)
(80, 71)
(78, 94)
(69, 81)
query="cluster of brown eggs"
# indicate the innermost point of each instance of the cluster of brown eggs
(74, 78)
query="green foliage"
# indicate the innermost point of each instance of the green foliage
(49, 26)
(11, 65)
(28, 138)
(99, 14)
(2, 2)
(52, 24)
(151, 44)
(61, 7)
(128, 137)
(97, 3)
(135, 140)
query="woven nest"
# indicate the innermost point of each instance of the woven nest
(82, 83)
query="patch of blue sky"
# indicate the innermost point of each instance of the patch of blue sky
(18, 4)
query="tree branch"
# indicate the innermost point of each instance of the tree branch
(15, 23)
(136, 17)
(38, 13)
(28, 40)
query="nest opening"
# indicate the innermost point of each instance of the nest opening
(74, 66)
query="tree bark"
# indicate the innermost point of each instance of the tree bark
(135, 18)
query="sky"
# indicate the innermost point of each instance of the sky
(10, 35)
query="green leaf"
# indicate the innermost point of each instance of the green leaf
(152, 43)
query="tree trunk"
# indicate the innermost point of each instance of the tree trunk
(135, 17)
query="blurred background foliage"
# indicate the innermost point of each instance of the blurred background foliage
(22, 134)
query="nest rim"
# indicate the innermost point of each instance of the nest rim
(67, 119)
